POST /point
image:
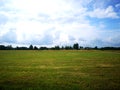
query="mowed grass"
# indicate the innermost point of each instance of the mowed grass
(59, 70)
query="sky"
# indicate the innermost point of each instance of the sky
(60, 22)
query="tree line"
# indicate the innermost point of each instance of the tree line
(74, 47)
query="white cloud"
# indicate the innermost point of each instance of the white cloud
(33, 7)
(51, 22)
(117, 5)
(104, 13)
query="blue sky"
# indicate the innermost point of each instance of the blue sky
(60, 22)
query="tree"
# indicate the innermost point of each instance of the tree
(9, 47)
(31, 47)
(76, 46)
(43, 48)
(62, 48)
(68, 48)
(81, 47)
(96, 47)
(2, 47)
(57, 48)
(35, 48)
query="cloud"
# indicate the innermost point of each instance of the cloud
(55, 22)
(9, 37)
(104, 13)
(117, 5)
(107, 38)
(3, 19)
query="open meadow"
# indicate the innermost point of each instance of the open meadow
(59, 70)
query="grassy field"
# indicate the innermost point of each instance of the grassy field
(59, 70)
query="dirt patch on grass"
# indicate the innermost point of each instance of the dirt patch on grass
(105, 66)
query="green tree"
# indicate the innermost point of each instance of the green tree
(31, 47)
(2, 47)
(35, 48)
(57, 48)
(76, 46)
(96, 47)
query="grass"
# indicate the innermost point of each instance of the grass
(59, 70)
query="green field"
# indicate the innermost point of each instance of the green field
(59, 70)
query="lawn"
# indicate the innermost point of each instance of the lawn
(59, 70)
